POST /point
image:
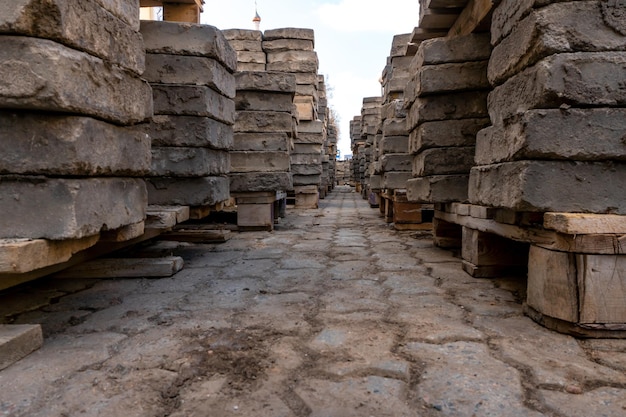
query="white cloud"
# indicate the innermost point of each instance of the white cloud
(395, 16)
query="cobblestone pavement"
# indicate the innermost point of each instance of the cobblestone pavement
(331, 315)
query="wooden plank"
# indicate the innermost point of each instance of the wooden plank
(185, 13)
(438, 19)
(552, 284)
(412, 226)
(420, 34)
(582, 223)
(159, 3)
(199, 234)
(602, 287)
(181, 212)
(471, 17)
(440, 4)
(486, 255)
(123, 233)
(18, 341)
(125, 268)
(446, 235)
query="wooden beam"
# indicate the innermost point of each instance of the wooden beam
(125, 268)
(583, 223)
(471, 17)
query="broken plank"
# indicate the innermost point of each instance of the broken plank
(125, 268)
(583, 223)
(181, 212)
(197, 235)
(123, 233)
(18, 341)
(472, 16)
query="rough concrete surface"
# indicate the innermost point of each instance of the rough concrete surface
(332, 314)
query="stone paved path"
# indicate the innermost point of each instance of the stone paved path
(331, 315)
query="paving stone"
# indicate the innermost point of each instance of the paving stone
(189, 70)
(34, 143)
(189, 40)
(40, 74)
(189, 131)
(64, 21)
(186, 100)
(607, 402)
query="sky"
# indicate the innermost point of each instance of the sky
(352, 40)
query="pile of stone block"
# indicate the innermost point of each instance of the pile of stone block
(249, 47)
(190, 68)
(260, 164)
(329, 148)
(557, 145)
(447, 96)
(291, 50)
(357, 144)
(70, 165)
(371, 125)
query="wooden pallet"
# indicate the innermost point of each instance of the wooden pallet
(575, 262)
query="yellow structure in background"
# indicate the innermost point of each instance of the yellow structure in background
(180, 11)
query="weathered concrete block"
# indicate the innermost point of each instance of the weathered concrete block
(189, 70)
(189, 162)
(266, 181)
(188, 39)
(18, 341)
(189, 131)
(126, 10)
(305, 107)
(265, 81)
(279, 141)
(39, 74)
(34, 143)
(580, 79)
(246, 161)
(293, 61)
(396, 162)
(204, 191)
(306, 138)
(394, 144)
(444, 78)
(264, 101)
(557, 28)
(299, 180)
(395, 127)
(473, 47)
(305, 78)
(437, 189)
(393, 110)
(187, 100)
(443, 161)
(306, 159)
(399, 44)
(574, 134)
(289, 33)
(315, 126)
(246, 45)
(312, 148)
(243, 35)
(57, 208)
(446, 133)
(579, 187)
(83, 25)
(304, 170)
(249, 66)
(262, 121)
(452, 106)
(284, 45)
(251, 57)
(395, 180)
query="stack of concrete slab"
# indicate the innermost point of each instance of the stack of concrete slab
(447, 100)
(557, 147)
(260, 165)
(291, 50)
(329, 147)
(190, 68)
(249, 47)
(371, 126)
(71, 86)
(357, 144)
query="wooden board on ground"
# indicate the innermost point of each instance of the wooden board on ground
(200, 233)
(18, 341)
(123, 233)
(125, 268)
(584, 223)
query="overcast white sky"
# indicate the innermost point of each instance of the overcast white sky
(352, 39)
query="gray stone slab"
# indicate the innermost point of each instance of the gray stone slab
(393, 144)
(443, 161)
(604, 401)
(309, 138)
(188, 39)
(250, 66)
(123, 9)
(56, 208)
(306, 159)
(315, 126)
(395, 127)
(302, 170)
(264, 101)
(312, 148)
(306, 180)
(187, 191)
(473, 47)
(35, 143)
(189, 70)
(188, 162)
(396, 162)
(18, 341)
(394, 109)
(395, 180)
(83, 25)
(283, 45)
(437, 189)
(189, 131)
(254, 161)
(451, 106)
(265, 81)
(246, 45)
(576, 79)
(243, 34)
(289, 33)
(573, 134)
(249, 57)
(266, 181)
(282, 65)
(444, 78)
(39, 74)
(306, 78)
(562, 186)
(262, 121)
(279, 141)
(446, 133)
(557, 28)
(187, 100)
